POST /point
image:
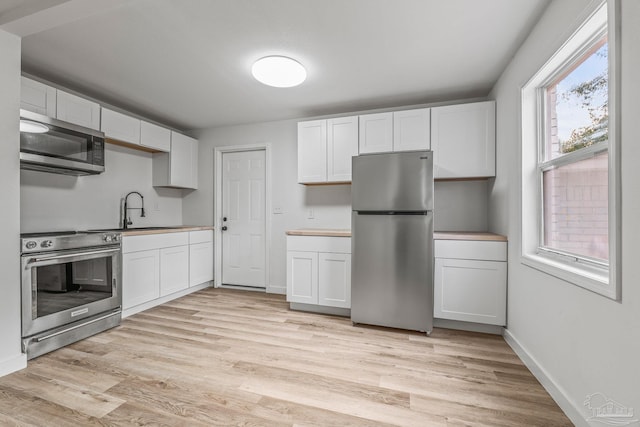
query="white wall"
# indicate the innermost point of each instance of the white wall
(57, 202)
(11, 358)
(582, 342)
(459, 205)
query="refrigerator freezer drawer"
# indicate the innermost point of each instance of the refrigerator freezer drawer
(393, 182)
(392, 271)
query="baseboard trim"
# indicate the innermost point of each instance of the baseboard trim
(556, 392)
(468, 326)
(13, 364)
(149, 304)
(282, 290)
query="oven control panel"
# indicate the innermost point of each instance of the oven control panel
(47, 242)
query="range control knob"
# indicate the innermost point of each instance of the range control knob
(30, 244)
(46, 244)
(107, 238)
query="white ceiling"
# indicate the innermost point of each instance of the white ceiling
(187, 62)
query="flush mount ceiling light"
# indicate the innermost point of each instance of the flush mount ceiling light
(278, 71)
(32, 127)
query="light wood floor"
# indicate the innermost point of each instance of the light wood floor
(224, 357)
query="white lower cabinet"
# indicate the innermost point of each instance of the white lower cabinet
(200, 257)
(302, 277)
(334, 280)
(160, 267)
(174, 269)
(319, 271)
(471, 281)
(140, 277)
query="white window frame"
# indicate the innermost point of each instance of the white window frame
(598, 20)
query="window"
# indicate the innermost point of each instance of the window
(568, 167)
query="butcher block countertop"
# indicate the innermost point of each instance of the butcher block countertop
(438, 235)
(468, 235)
(160, 230)
(328, 232)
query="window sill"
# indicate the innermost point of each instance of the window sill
(590, 278)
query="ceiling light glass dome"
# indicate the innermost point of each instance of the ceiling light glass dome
(279, 71)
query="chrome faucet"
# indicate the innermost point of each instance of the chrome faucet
(126, 221)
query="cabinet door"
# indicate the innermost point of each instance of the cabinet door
(181, 161)
(174, 269)
(412, 130)
(154, 136)
(463, 139)
(470, 291)
(302, 277)
(312, 151)
(200, 263)
(140, 277)
(376, 133)
(334, 280)
(37, 97)
(342, 145)
(121, 127)
(76, 110)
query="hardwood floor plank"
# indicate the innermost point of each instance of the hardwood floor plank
(227, 357)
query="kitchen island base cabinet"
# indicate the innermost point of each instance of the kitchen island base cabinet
(319, 273)
(470, 281)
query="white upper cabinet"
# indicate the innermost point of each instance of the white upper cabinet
(155, 137)
(37, 97)
(179, 167)
(121, 127)
(325, 149)
(412, 130)
(77, 110)
(49, 101)
(463, 139)
(312, 151)
(376, 133)
(342, 145)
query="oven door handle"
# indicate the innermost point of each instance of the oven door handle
(72, 257)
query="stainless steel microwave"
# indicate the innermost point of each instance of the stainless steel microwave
(51, 145)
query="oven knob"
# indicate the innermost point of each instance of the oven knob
(108, 237)
(31, 244)
(116, 237)
(46, 244)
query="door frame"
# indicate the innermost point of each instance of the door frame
(217, 207)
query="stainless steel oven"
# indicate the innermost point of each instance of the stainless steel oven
(71, 287)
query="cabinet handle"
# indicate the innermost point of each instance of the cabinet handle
(224, 228)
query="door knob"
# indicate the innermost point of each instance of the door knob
(224, 228)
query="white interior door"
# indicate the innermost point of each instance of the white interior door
(243, 213)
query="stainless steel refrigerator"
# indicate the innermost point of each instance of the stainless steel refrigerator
(392, 240)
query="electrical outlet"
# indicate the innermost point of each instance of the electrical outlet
(277, 211)
(310, 214)
(156, 206)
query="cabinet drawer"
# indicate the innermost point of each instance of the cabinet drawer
(154, 241)
(471, 249)
(200, 236)
(319, 244)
